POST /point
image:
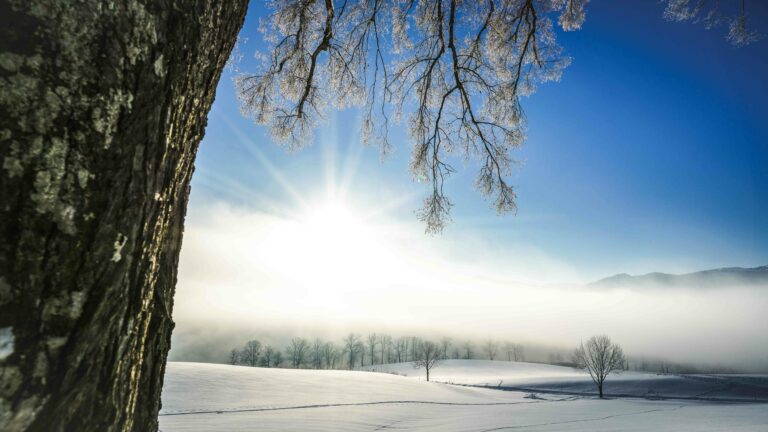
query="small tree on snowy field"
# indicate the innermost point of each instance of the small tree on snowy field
(600, 357)
(251, 352)
(468, 349)
(361, 350)
(351, 344)
(515, 352)
(234, 357)
(518, 352)
(297, 351)
(491, 349)
(269, 354)
(317, 354)
(372, 341)
(400, 349)
(330, 354)
(414, 347)
(445, 343)
(555, 358)
(277, 359)
(509, 349)
(428, 356)
(386, 345)
(456, 354)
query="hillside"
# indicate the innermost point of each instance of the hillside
(535, 377)
(206, 397)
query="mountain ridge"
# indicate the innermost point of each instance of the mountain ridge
(712, 278)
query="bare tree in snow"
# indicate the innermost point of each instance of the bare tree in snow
(600, 357)
(508, 349)
(371, 341)
(385, 345)
(468, 349)
(360, 347)
(317, 354)
(518, 352)
(251, 352)
(491, 348)
(415, 341)
(456, 353)
(445, 344)
(428, 356)
(351, 344)
(555, 358)
(268, 356)
(514, 351)
(297, 351)
(234, 357)
(330, 354)
(277, 359)
(401, 346)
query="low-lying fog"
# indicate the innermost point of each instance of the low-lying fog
(246, 274)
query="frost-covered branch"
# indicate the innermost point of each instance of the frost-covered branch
(715, 13)
(455, 69)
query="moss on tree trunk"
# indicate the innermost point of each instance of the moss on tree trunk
(102, 108)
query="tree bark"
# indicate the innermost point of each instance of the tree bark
(102, 108)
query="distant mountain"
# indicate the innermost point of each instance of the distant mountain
(716, 278)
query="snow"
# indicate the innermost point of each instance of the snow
(564, 380)
(207, 397)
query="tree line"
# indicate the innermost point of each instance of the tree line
(373, 349)
(599, 356)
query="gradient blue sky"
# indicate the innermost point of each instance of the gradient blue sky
(651, 154)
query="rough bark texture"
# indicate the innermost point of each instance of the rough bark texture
(102, 107)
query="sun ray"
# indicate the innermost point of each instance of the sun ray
(273, 171)
(234, 189)
(329, 139)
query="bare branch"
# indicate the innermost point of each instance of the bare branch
(461, 94)
(713, 14)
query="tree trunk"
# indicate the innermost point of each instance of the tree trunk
(600, 389)
(102, 108)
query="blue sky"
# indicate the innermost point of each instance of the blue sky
(649, 155)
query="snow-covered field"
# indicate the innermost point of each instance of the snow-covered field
(563, 380)
(207, 397)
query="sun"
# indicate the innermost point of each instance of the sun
(330, 251)
(337, 237)
(334, 221)
(331, 243)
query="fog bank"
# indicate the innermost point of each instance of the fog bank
(249, 274)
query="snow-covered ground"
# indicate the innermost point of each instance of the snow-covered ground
(564, 380)
(206, 397)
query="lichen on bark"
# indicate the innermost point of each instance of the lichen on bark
(102, 107)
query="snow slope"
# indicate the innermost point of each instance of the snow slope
(206, 397)
(564, 380)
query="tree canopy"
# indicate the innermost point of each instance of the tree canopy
(456, 71)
